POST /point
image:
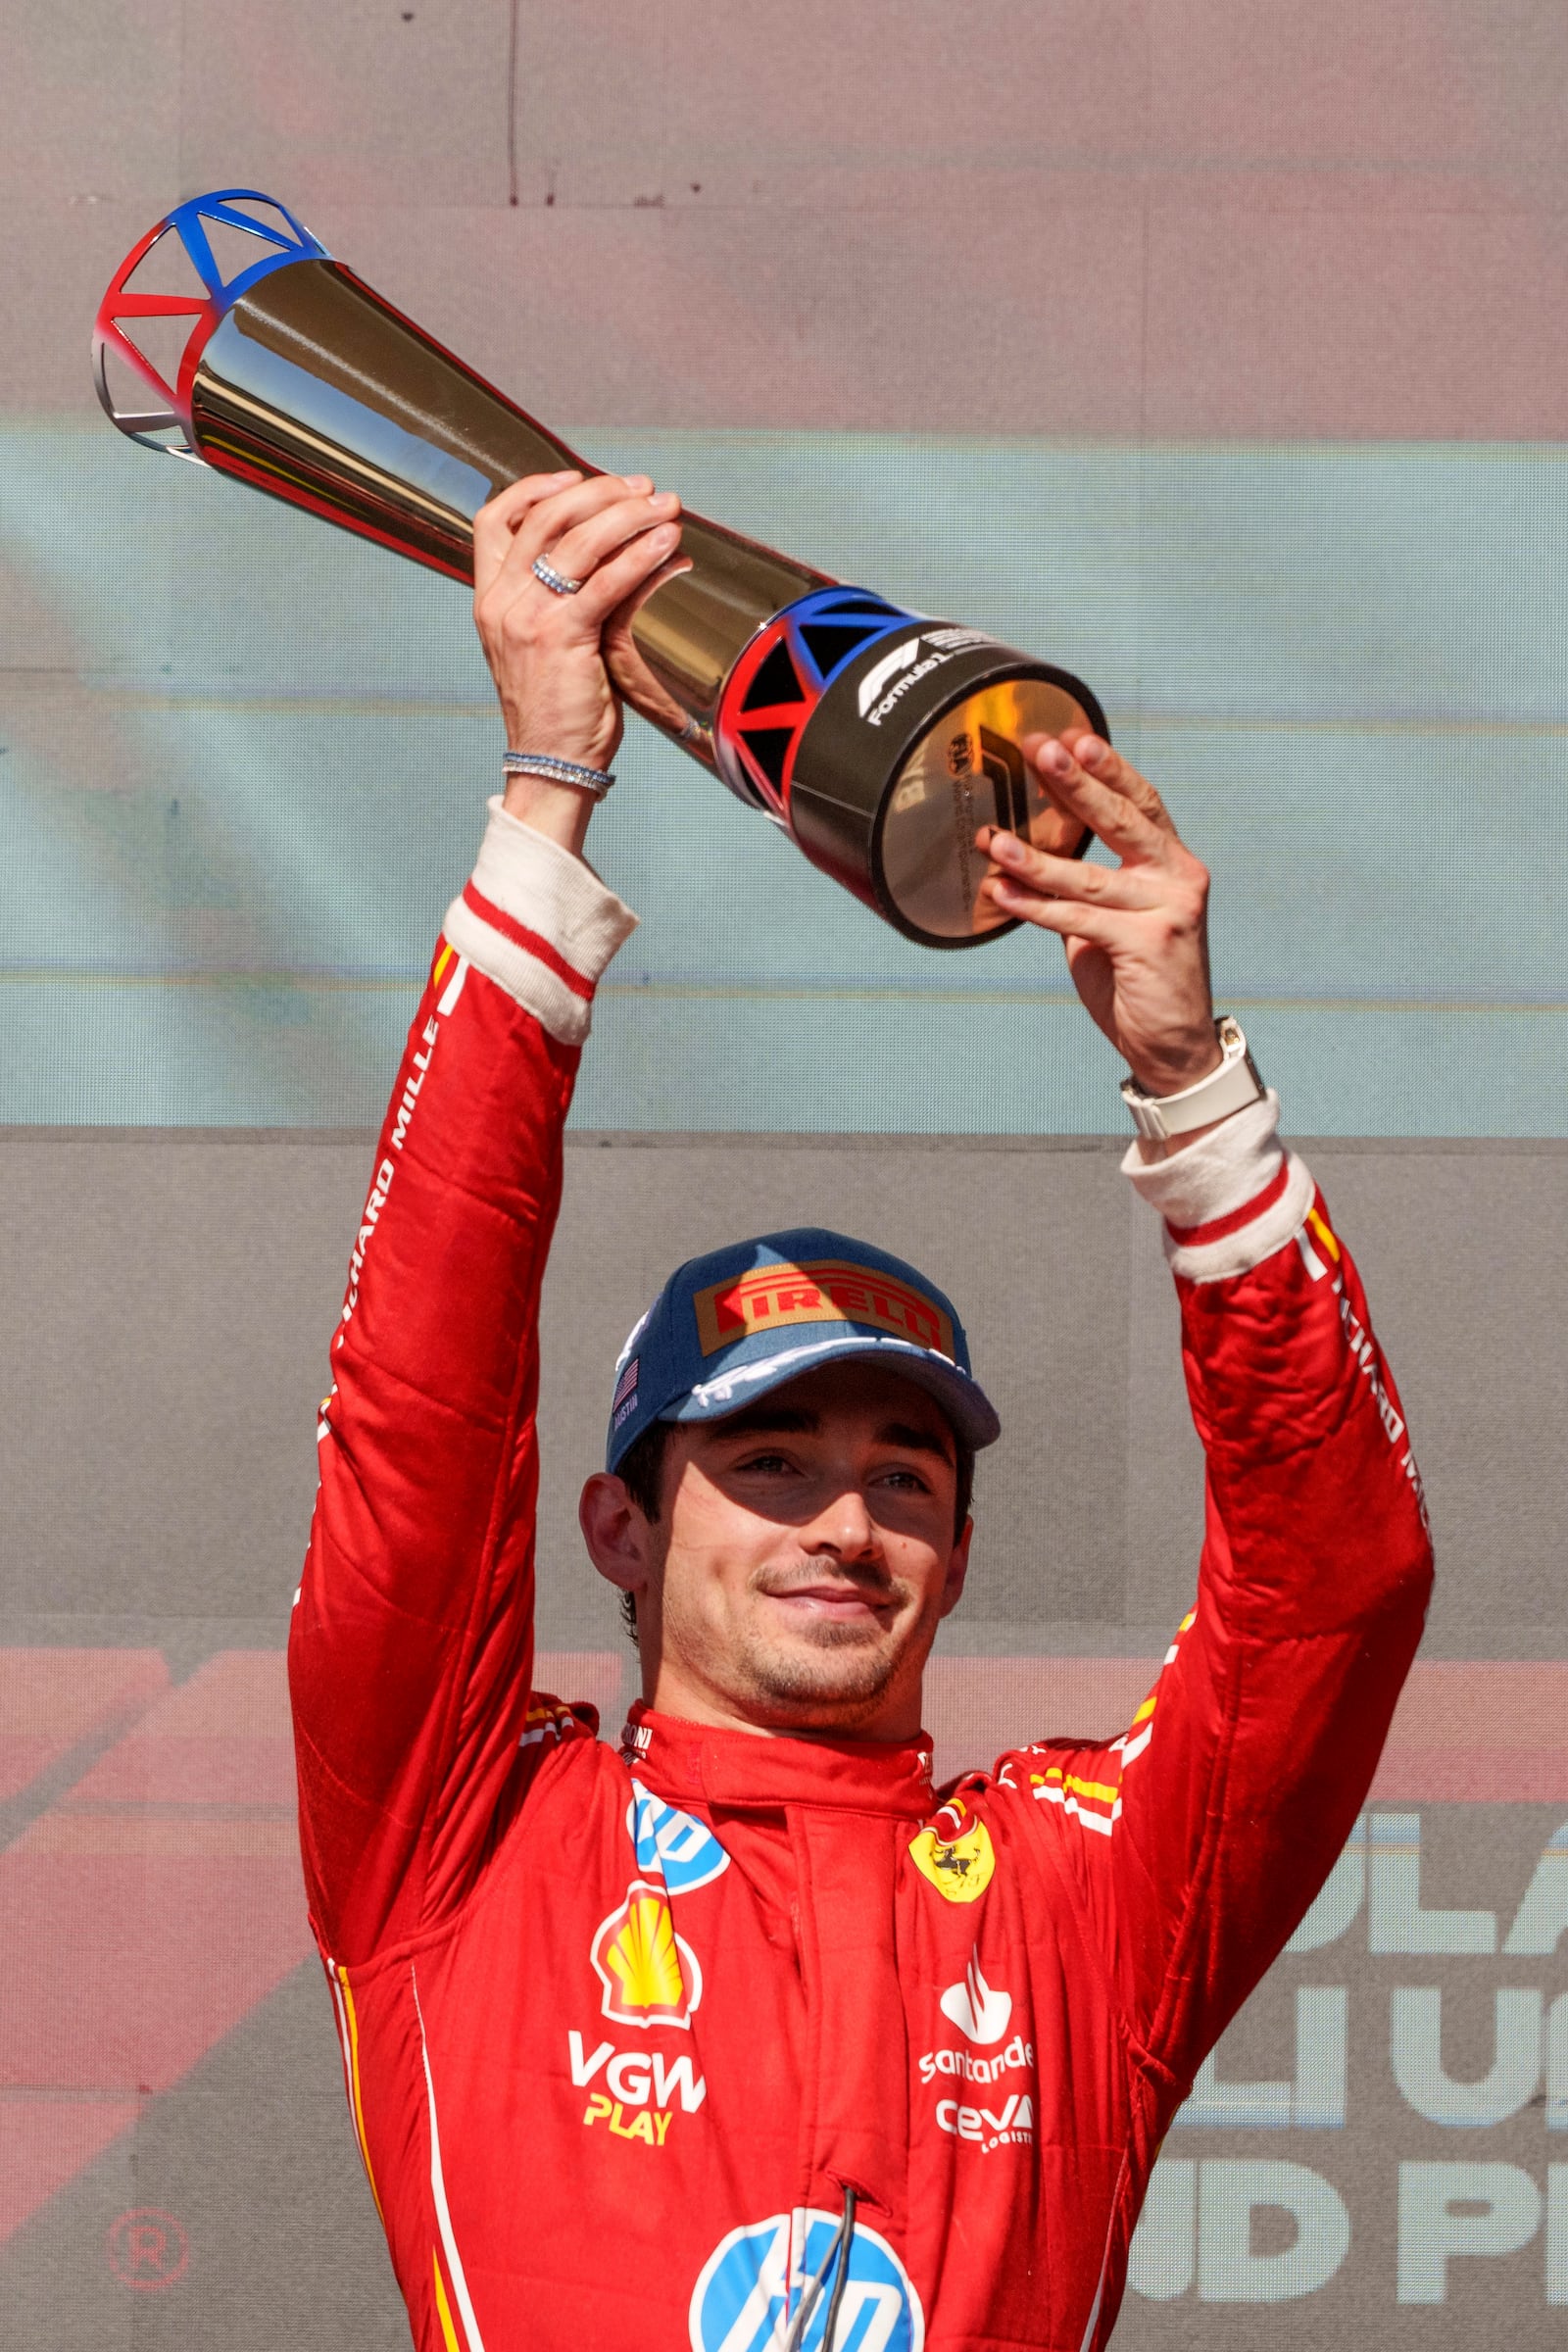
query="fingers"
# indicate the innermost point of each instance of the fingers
(532, 515)
(592, 540)
(1023, 868)
(541, 524)
(545, 525)
(1095, 926)
(1104, 763)
(1135, 904)
(496, 523)
(612, 583)
(579, 525)
(1091, 782)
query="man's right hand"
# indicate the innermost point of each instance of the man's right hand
(613, 534)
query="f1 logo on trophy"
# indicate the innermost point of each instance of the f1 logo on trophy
(878, 739)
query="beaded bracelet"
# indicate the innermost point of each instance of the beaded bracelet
(557, 771)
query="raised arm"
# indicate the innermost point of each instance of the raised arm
(410, 1653)
(1195, 1842)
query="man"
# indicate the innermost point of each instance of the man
(743, 2035)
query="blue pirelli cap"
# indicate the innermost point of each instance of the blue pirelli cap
(727, 1328)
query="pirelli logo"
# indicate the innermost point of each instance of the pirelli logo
(826, 1289)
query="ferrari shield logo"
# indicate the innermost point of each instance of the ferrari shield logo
(956, 1856)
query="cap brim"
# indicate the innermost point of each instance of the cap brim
(963, 1401)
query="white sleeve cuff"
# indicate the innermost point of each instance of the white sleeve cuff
(538, 921)
(1231, 1198)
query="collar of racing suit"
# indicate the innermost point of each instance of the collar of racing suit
(739, 1768)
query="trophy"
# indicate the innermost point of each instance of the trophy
(880, 740)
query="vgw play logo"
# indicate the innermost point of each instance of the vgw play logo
(751, 2286)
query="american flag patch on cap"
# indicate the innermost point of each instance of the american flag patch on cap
(625, 1386)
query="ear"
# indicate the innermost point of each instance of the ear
(615, 1531)
(957, 1569)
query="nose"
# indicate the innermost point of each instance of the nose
(844, 1529)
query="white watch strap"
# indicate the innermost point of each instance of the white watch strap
(1234, 1084)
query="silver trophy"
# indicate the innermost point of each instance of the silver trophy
(879, 739)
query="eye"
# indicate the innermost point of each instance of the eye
(908, 1482)
(770, 1464)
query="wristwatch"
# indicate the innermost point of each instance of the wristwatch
(1234, 1084)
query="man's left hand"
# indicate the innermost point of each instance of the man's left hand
(1136, 934)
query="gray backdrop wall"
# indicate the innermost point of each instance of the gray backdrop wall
(169, 2045)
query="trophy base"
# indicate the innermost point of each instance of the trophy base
(967, 769)
(883, 742)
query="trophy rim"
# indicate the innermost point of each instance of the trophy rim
(1014, 665)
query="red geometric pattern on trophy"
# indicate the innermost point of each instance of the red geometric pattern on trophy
(779, 679)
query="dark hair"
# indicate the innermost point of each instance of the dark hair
(641, 1471)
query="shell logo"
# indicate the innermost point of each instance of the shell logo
(649, 1973)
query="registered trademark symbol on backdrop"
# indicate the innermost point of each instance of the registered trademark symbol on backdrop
(148, 2249)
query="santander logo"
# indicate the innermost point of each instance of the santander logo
(982, 2015)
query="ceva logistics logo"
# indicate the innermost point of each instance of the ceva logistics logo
(750, 2289)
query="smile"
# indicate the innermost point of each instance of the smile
(833, 1603)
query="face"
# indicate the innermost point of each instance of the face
(803, 1559)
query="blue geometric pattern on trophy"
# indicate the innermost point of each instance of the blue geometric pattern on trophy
(260, 236)
(245, 759)
(233, 208)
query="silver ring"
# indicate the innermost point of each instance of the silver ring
(555, 581)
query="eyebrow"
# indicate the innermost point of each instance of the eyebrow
(791, 1420)
(915, 1441)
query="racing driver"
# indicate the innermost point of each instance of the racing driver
(741, 2035)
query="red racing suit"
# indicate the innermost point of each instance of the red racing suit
(623, 2025)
